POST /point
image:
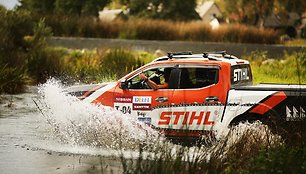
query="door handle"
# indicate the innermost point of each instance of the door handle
(212, 99)
(161, 99)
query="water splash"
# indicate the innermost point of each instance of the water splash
(83, 124)
(79, 123)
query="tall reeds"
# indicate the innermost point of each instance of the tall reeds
(232, 153)
(147, 29)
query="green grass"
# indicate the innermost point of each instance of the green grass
(296, 42)
(289, 70)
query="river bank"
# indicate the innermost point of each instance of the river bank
(237, 49)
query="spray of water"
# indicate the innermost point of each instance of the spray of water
(83, 124)
(78, 123)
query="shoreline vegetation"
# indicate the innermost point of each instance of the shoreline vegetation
(149, 29)
(27, 59)
(100, 65)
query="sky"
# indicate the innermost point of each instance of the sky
(9, 4)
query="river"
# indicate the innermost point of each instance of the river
(40, 133)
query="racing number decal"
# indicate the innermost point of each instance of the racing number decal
(124, 109)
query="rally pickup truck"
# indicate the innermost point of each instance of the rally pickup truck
(206, 92)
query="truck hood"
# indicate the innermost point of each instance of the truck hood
(83, 91)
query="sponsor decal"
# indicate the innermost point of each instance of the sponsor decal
(123, 104)
(241, 74)
(146, 120)
(188, 117)
(144, 107)
(127, 105)
(123, 99)
(142, 99)
(294, 114)
(141, 114)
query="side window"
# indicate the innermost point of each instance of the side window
(198, 77)
(241, 74)
(157, 75)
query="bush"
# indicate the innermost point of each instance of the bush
(13, 49)
(12, 80)
(119, 62)
(82, 65)
(42, 62)
(281, 159)
(99, 65)
(45, 63)
(303, 32)
(14, 26)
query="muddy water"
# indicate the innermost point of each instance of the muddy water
(26, 146)
(30, 143)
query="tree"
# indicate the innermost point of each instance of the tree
(38, 6)
(179, 10)
(163, 9)
(248, 12)
(256, 11)
(67, 7)
(80, 7)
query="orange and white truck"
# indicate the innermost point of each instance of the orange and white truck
(206, 92)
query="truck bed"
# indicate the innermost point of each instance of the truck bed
(273, 87)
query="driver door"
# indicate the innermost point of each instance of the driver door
(139, 99)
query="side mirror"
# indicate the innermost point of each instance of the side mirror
(123, 84)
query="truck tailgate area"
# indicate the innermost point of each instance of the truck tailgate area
(273, 87)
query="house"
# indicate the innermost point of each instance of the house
(287, 25)
(209, 12)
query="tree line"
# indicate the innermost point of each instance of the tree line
(242, 11)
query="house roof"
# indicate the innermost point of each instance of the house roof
(109, 14)
(203, 9)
